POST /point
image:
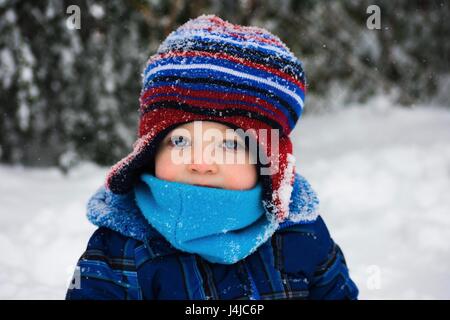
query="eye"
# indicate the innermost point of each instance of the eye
(179, 141)
(232, 145)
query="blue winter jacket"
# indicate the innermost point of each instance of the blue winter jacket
(126, 258)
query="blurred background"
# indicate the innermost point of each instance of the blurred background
(373, 140)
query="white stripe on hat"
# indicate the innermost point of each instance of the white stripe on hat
(228, 71)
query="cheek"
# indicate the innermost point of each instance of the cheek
(241, 176)
(164, 167)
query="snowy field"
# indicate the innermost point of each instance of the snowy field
(382, 174)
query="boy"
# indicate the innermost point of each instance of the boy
(177, 219)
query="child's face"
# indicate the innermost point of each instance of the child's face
(201, 165)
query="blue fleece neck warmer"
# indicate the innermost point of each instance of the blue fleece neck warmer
(223, 226)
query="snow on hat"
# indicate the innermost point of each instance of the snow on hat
(212, 70)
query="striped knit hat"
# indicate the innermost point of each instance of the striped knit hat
(211, 70)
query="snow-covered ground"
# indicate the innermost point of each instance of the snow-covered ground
(382, 174)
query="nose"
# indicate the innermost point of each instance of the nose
(202, 168)
(202, 162)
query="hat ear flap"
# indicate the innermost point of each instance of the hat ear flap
(279, 185)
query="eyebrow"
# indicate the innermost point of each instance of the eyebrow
(233, 136)
(236, 138)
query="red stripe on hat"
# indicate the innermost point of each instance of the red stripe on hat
(211, 105)
(151, 121)
(218, 95)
